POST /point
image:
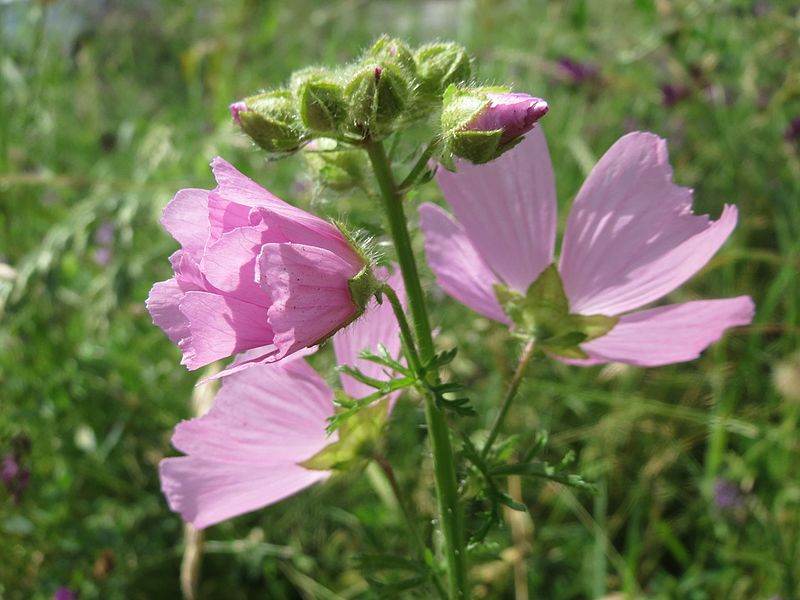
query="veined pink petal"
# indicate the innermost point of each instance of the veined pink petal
(206, 491)
(263, 414)
(243, 453)
(162, 303)
(309, 291)
(186, 219)
(460, 271)
(187, 273)
(234, 186)
(220, 326)
(631, 237)
(377, 325)
(668, 334)
(507, 208)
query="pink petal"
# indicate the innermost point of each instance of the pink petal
(220, 326)
(631, 237)
(187, 273)
(309, 290)
(206, 492)
(460, 271)
(162, 303)
(262, 415)
(376, 326)
(233, 186)
(229, 264)
(668, 334)
(243, 453)
(508, 209)
(186, 219)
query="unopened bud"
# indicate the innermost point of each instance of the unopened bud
(271, 120)
(377, 95)
(439, 66)
(394, 52)
(333, 168)
(480, 125)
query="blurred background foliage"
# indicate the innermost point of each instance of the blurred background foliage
(108, 107)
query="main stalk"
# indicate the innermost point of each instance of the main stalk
(444, 466)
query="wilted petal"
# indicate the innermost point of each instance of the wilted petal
(309, 291)
(460, 271)
(220, 326)
(631, 237)
(668, 334)
(508, 209)
(206, 491)
(186, 219)
(376, 326)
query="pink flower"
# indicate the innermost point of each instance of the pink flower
(514, 113)
(253, 272)
(631, 238)
(244, 454)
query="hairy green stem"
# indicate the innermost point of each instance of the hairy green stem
(511, 392)
(422, 549)
(405, 330)
(444, 466)
(419, 166)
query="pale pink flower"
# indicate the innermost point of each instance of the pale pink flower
(244, 454)
(252, 272)
(631, 238)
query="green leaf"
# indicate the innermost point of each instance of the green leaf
(543, 313)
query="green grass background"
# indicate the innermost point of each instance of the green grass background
(107, 108)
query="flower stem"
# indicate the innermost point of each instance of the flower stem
(422, 549)
(405, 330)
(419, 166)
(519, 373)
(444, 466)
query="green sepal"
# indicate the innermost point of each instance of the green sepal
(440, 65)
(323, 108)
(339, 170)
(359, 437)
(393, 51)
(377, 94)
(362, 287)
(543, 313)
(272, 121)
(460, 106)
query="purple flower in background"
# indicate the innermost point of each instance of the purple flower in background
(64, 593)
(792, 132)
(572, 71)
(672, 93)
(104, 238)
(13, 474)
(630, 239)
(727, 495)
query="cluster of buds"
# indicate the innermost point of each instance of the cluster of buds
(389, 86)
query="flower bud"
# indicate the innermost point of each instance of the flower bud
(377, 95)
(395, 52)
(321, 100)
(440, 65)
(481, 124)
(271, 120)
(339, 170)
